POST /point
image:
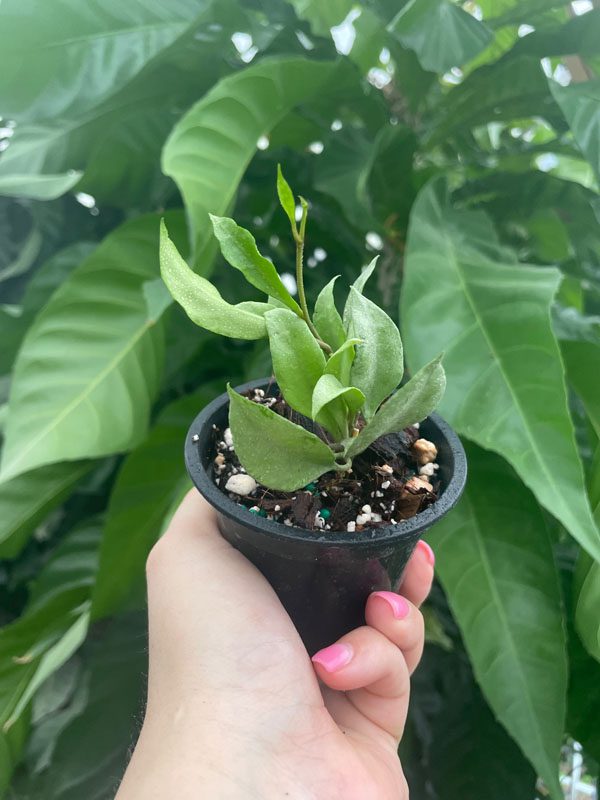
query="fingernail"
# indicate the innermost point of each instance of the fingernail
(427, 551)
(333, 657)
(398, 604)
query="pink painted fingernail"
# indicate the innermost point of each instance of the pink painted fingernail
(428, 552)
(333, 657)
(398, 604)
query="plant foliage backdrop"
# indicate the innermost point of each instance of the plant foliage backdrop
(458, 141)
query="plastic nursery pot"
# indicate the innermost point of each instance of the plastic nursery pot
(323, 578)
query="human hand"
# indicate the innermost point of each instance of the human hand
(236, 710)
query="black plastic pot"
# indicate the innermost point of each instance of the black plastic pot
(322, 578)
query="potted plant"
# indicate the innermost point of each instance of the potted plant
(326, 475)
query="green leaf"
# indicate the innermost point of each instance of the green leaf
(72, 565)
(464, 293)
(506, 90)
(514, 12)
(440, 32)
(343, 173)
(46, 279)
(580, 348)
(583, 699)
(123, 76)
(340, 362)
(411, 403)
(322, 16)
(332, 400)
(157, 298)
(108, 699)
(364, 174)
(467, 752)
(587, 603)
(379, 363)
(298, 361)
(140, 499)
(286, 197)
(211, 146)
(90, 365)
(201, 301)
(359, 283)
(37, 187)
(586, 589)
(52, 659)
(91, 50)
(275, 451)
(580, 103)
(256, 307)
(496, 565)
(23, 645)
(51, 629)
(12, 745)
(239, 249)
(25, 501)
(54, 623)
(29, 250)
(346, 166)
(580, 34)
(326, 317)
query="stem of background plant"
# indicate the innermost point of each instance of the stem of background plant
(299, 239)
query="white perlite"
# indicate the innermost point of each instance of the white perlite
(351, 526)
(228, 437)
(241, 484)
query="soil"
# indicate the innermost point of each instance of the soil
(388, 482)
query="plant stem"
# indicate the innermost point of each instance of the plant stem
(299, 239)
(345, 467)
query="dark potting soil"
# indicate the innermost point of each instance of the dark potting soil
(389, 482)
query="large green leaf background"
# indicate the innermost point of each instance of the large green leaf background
(209, 149)
(466, 294)
(440, 136)
(495, 562)
(144, 490)
(123, 77)
(90, 365)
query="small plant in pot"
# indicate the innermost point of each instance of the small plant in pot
(326, 474)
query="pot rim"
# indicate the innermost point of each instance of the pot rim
(277, 530)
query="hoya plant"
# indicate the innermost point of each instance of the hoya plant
(340, 371)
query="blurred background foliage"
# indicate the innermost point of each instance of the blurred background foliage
(458, 140)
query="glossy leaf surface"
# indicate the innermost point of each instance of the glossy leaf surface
(211, 146)
(495, 562)
(90, 365)
(140, 499)
(466, 294)
(440, 32)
